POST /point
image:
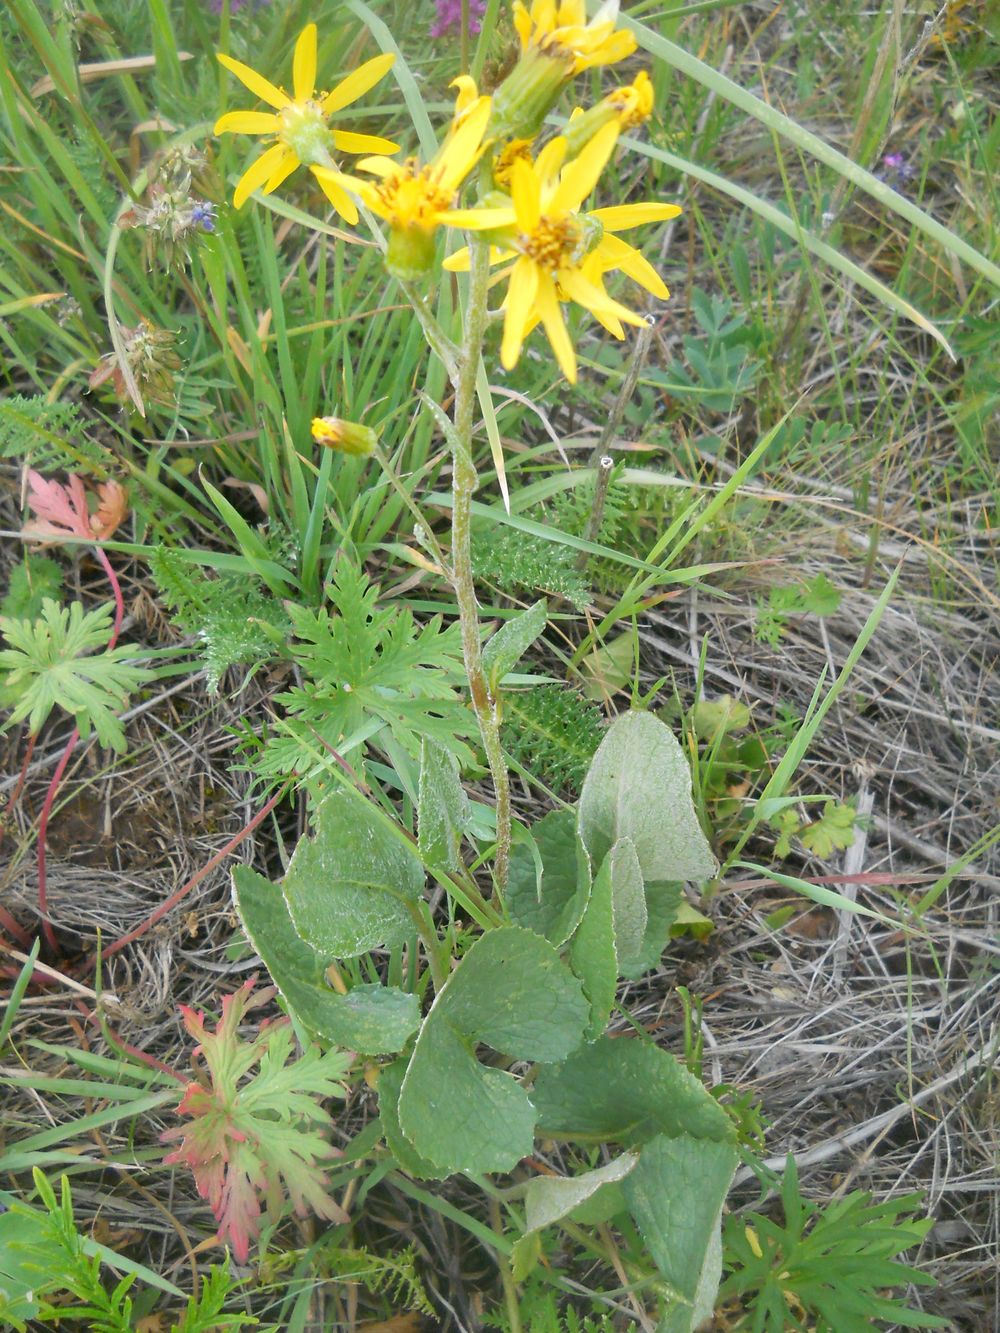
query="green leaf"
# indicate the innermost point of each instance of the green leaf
(834, 829)
(628, 903)
(547, 1199)
(639, 787)
(821, 597)
(609, 668)
(689, 921)
(512, 640)
(349, 887)
(676, 1194)
(442, 807)
(369, 1019)
(461, 1115)
(390, 1083)
(31, 581)
(512, 992)
(549, 880)
(627, 1091)
(51, 663)
(592, 954)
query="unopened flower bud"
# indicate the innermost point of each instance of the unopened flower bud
(348, 437)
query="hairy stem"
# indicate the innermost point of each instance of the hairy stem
(464, 482)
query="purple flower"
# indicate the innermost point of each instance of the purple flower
(449, 16)
(203, 215)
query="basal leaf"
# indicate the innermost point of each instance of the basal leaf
(370, 1019)
(628, 904)
(662, 906)
(592, 954)
(627, 1091)
(512, 992)
(549, 1198)
(639, 787)
(548, 886)
(675, 1194)
(390, 1082)
(348, 886)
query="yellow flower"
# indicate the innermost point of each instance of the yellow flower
(560, 27)
(627, 107)
(347, 437)
(561, 254)
(416, 199)
(507, 156)
(299, 124)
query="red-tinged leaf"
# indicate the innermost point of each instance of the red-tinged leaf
(112, 506)
(251, 1142)
(62, 511)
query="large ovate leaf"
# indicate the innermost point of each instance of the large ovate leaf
(675, 1194)
(549, 880)
(442, 807)
(628, 903)
(370, 1019)
(639, 787)
(663, 903)
(627, 1091)
(547, 1199)
(390, 1083)
(348, 887)
(592, 953)
(458, 1113)
(512, 992)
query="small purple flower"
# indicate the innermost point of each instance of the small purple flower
(203, 215)
(896, 170)
(449, 16)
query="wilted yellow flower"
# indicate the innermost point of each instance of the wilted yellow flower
(300, 124)
(347, 437)
(561, 254)
(560, 27)
(416, 199)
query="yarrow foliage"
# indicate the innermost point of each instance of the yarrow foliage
(252, 1139)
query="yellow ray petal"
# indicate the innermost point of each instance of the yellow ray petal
(378, 166)
(621, 217)
(527, 195)
(282, 171)
(264, 89)
(615, 253)
(458, 262)
(257, 173)
(246, 122)
(304, 64)
(547, 305)
(595, 299)
(520, 303)
(460, 152)
(346, 141)
(357, 84)
(477, 219)
(550, 159)
(581, 175)
(337, 195)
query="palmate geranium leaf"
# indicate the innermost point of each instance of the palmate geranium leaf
(253, 1140)
(51, 663)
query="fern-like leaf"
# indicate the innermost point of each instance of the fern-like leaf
(51, 663)
(553, 732)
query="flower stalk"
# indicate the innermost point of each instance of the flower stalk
(464, 482)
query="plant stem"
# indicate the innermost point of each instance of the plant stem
(464, 482)
(510, 1296)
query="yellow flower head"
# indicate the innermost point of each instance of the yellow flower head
(300, 124)
(347, 437)
(416, 199)
(633, 103)
(560, 27)
(561, 254)
(512, 151)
